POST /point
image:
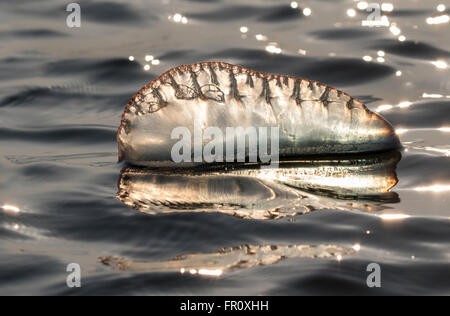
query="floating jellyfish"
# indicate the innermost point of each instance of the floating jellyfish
(198, 104)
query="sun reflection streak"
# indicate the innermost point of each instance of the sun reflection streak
(261, 37)
(404, 104)
(395, 30)
(351, 13)
(387, 7)
(393, 217)
(433, 188)
(178, 18)
(401, 131)
(384, 107)
(441, 8)
(243, 29)
(273, 48)
(440, 64)
(204, 272)
(446, 152)
(362, 5)
(10, 209)
(438, 19)
(432, 95)
(207, 272)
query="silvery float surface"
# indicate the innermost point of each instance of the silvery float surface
(313, 118)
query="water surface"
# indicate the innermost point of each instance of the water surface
(308, 229)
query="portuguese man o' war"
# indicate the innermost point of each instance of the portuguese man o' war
(312, 119)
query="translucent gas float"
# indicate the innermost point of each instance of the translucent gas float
(216, 112)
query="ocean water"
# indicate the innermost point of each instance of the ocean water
(311, 228)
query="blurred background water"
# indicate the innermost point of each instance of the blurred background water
(62, 93)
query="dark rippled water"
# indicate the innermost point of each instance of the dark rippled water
(63, 90)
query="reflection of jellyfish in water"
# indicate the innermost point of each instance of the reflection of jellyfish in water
(311, 118)
(228, 259)
(358, 183)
